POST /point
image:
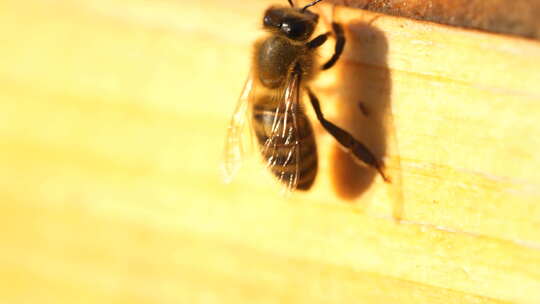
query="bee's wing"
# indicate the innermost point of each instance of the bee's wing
(282, 148)
(235, 146)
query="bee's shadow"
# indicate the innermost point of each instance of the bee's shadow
(363, 106)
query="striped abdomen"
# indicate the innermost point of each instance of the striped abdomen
(280, 150)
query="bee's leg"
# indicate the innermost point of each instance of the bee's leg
(318, 41)
(358, 149)
(340, 44)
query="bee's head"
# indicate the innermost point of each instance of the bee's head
(295, 23)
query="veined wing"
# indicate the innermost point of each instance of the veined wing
(235, 146)
(282, 146)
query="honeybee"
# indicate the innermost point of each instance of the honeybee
(283, 64)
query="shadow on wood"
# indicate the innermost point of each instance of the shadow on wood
(364, 103)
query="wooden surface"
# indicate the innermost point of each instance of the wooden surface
(112, 121)
(517, 17)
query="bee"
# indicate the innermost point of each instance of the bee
(284, 62)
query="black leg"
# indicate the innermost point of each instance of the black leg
(340, 44)
(290, 2)
(358, 149)
(317, 41)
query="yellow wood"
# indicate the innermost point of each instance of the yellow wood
(112, 120)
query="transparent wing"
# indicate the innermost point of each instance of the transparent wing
(235, 146)
(282, 147)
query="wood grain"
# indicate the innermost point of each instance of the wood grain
(519, 17)
(113, 116)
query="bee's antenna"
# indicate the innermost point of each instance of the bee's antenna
(291, 3)
(311, 4)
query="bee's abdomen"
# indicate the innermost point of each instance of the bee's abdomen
(280, 151)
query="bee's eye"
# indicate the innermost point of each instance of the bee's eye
(270, 21)
(273, 18)
(296, 29)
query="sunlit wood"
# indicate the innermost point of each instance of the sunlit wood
(112, 122)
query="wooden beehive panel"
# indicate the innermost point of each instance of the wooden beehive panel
(113, 116)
